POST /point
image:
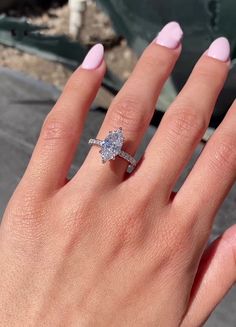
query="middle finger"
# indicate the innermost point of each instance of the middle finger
(185, 122)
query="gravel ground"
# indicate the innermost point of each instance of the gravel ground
(97, 28)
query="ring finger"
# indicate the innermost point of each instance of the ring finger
(134, 106)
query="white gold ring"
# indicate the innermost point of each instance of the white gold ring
(111, 147)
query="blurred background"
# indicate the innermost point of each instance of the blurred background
(42, 42)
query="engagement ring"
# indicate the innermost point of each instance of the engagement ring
(111, 147)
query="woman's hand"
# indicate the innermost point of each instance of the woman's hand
(108, 249)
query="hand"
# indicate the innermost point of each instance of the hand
(111, 249)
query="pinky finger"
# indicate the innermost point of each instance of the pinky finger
(215, 276)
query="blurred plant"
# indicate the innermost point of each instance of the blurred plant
(138, 22)
(18, 33)
(8, 4)
(202, 21)
(77, 13)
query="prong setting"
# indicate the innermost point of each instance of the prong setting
(111, 147)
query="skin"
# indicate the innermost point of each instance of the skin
(108, 249)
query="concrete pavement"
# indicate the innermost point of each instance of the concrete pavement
(24, 104)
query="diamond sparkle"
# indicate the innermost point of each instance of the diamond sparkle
(112, 145)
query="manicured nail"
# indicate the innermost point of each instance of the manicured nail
(219, 49)
(94, 57)
(170, 36)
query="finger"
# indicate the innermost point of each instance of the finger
(185, 122)
(216, 275)
(212, 176)
(62, 128)
(134, 106)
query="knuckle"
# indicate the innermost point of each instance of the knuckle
(224, 155)
(185, 122)
(131, 226)
(210, 72)
(73, 224)
(54, 129)
(75, 83)
(25, 218)
(204, 72)
(150, 62)
(153, 58)
(210, 76)
(131, 229)
(127, 113)
(184, 217)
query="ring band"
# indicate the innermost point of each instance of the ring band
(111, 147)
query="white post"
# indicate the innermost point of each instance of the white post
(77, 11)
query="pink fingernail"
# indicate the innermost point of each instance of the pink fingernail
(170, 36)
(219, 49)
(94, 57)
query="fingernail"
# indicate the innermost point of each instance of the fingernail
(219, 49)
(94, 57)
(170, 36)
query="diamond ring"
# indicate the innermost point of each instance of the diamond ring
(111, 147)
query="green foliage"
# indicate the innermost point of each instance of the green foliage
(202, 22)
(138, 22)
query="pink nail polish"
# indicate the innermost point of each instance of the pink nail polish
(219, 49)
(170, 36)
(94, 57)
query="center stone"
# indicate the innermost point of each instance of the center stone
(112, 145)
